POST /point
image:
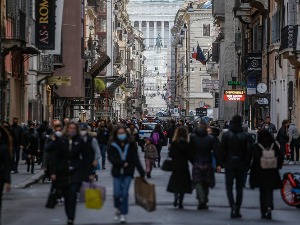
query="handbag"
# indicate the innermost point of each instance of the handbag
(93, 198)
(167, 165)
(144, 194)
(88, 185)
(52, 198)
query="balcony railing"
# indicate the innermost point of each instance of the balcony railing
(289, 35)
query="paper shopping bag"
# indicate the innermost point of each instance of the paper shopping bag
(145, 194)
(93, 199)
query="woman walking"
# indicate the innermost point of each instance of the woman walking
(265, 179)
(6, 146)
(283, 137)
(67, 167)
(180, 181)
(123, 154)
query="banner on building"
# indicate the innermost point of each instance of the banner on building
(45, 24)
(234, 95)
(210, 84)
(254, 63)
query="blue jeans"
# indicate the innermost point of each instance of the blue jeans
(103, 149)
(121, 188)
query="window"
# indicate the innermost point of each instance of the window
(206, 29)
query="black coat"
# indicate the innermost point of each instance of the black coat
(5, 164)
(180, 180)
(265, 178)
(31, 142)
(283, 138)
(132, 159)
(68, 164)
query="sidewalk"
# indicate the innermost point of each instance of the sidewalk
(24, 179)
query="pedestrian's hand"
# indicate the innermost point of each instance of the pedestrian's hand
(92, 178)
(125, 164)
(7, 187)
(219, 168)
(39, 150)
(53, 177)
(29, 156)
(95, 163)
(53, 138)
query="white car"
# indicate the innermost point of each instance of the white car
(146, 130)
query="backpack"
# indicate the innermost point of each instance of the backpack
(155, 138)
(268, 159)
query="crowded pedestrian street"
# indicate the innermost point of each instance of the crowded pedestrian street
(27, 206)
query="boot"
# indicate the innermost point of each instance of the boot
(32, 167)
(175, 204)
(180, 205)
(235, 212)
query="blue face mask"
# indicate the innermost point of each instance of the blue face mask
(122, 137)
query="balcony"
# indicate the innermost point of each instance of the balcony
(218, 9)
(290, 44)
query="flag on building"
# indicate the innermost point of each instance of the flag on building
(200, 55)
(194, 54)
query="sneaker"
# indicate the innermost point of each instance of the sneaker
(291, 163)
(117, 215)
(122, 219)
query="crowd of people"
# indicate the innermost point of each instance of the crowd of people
(69, 152)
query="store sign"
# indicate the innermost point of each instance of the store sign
(234, 95)
(201, 112)
(45, 24)
(233, 82)
(254, 63)
(210, 84)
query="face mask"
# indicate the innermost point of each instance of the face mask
(83, 132)
(122, 137)
(58, 133)
(72, 133)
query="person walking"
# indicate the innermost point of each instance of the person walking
(180, 181)
(102, 138)
(157, 136)
(17, 143)
(283, 137)
(171, 131)
(6, 147)
(150, 156)
(265, 179)
(294, 143)
(203, 146)
(236, 157)
(31, 146)
(42, 132)
(68, 167)
(269, 126)
(123, 155)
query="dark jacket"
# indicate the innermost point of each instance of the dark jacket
(5, 164)
(68, 161)
(102, 135)
(18, 135)
(180, 180)
(282, 137)
(203, 145)
(132, 159)
(134, 134)
(236, 147)
(265, 178)
(171, 131)
(31, 142)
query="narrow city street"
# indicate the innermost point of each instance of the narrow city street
(27, 206)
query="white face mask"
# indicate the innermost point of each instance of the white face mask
(58, 133)
(83, 132)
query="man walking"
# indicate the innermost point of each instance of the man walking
(236, 156)
(294, 143)
(269, 126)
(17, 143)
(102, 138)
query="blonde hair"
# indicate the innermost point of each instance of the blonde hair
(181, 133)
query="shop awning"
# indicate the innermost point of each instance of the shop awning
(115, 84)
(100, 65)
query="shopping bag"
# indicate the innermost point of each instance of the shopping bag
(52, 198)
(145, 194)
(87, 185)
(93, 199)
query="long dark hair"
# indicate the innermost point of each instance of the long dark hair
(65, 132)
(6, 139)
(181, 133)
(264, 137)
(114, 138)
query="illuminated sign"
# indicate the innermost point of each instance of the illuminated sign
(234, 95)
(45, 24)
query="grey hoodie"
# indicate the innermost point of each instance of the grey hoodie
(293, 132)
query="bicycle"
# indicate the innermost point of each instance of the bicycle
(290, 191)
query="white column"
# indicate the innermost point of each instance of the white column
(155, 31)
(171, 24)
(148, 34)
(140, 26)
(163, 33)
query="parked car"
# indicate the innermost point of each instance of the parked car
(146, 130)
